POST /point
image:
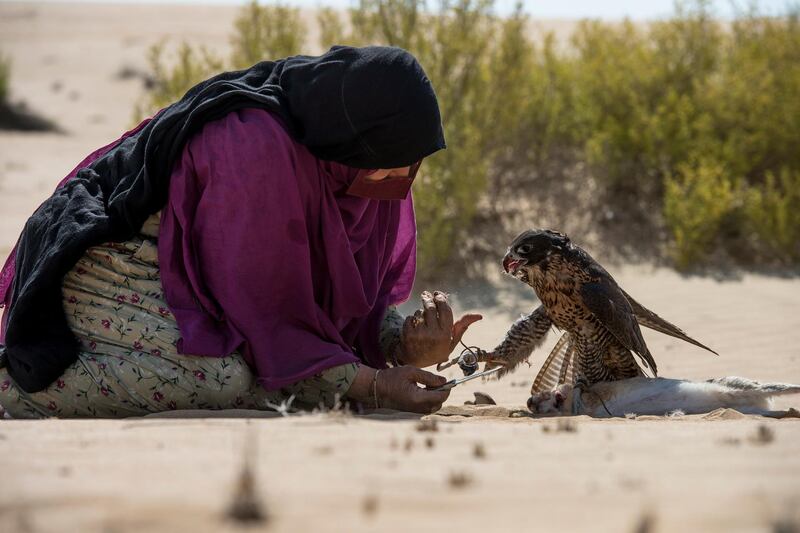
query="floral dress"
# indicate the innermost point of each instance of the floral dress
(128, 364)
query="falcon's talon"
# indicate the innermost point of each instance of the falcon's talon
(581, 383)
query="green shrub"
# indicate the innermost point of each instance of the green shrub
(5, 74)
(266, 32)
(331, 27)
(773, 215)
(261, 32)
(647, 102)
(696, 201)
(752, 100)
(636, 90)
(171, 80)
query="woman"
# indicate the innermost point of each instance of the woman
(240, 249)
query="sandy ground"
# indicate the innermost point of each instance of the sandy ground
(722, 472)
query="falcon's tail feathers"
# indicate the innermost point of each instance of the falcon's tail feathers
(649, 319)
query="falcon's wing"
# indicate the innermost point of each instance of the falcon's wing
(526, 334)
(608, 303)
(649, 319)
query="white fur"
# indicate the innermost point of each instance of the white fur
(660, 396)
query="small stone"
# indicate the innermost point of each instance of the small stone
(478, 451)
(459, 480)
(428, 425)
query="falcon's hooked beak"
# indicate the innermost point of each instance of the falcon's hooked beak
(511, 263)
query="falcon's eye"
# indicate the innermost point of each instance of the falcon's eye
(524, 249)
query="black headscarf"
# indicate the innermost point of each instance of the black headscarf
(370, 107)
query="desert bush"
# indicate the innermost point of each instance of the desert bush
(172, 78)
(685, 124)
(636, 90)
(266, 32)
(696, 201)
(260, 32)
(772, 214)
(5, 74)
(752, 99)
(331, 27)
(648, 102)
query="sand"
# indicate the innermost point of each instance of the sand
(328, 472)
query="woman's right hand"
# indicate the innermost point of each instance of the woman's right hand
(398, 388)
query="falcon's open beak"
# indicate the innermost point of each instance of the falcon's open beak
(511, 264)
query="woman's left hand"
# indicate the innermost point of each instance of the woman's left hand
(430, 335)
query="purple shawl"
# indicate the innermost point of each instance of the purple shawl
(261, 250)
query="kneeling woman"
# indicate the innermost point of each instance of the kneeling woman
(245, 245)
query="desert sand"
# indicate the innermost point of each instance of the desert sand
(482, 469)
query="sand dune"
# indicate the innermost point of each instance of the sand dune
(719, 472)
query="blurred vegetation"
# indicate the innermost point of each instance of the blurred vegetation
(16, 115)
(5, 74)
(266, 32)
(687, 128)
(696, 202)
(170, 79)
(772, 214)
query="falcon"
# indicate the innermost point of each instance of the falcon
(601, 321)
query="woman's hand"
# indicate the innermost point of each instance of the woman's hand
(397, 388)
(429, 335)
